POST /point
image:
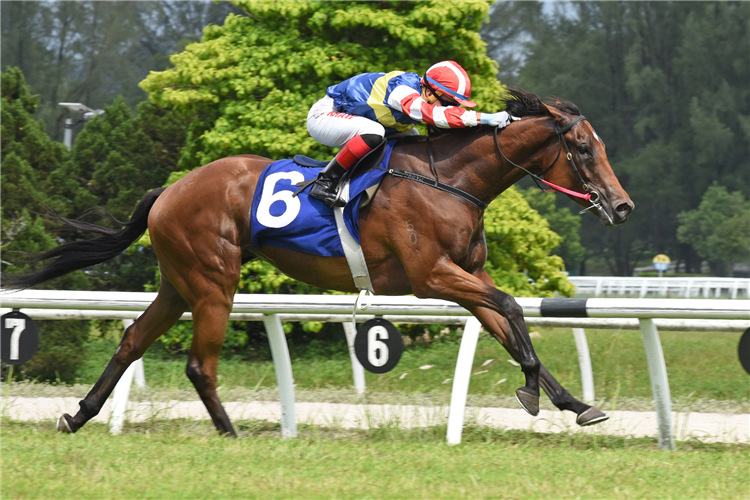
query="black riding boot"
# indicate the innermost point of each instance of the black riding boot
(325, 186)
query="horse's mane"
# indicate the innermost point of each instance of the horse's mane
(518, 103)
(521, 103)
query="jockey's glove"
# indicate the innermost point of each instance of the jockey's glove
(501, 119)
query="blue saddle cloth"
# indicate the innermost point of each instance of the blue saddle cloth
(302, 223)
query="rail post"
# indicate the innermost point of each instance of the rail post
(121, 393)
(659, 383)
(358, 372)
(584, 361)
(461, 380)
(282, 364)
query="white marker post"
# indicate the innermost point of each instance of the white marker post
(282, 364)
(659, 383)
(121, 394)
(358, 372)
(461, 380)
(584, 361)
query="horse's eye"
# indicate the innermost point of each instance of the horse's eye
(583, 149)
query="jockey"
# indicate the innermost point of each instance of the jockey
(358, 113)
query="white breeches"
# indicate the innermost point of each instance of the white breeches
(331, 128)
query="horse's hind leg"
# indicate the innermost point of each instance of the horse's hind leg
(210, 320)
(160, 316)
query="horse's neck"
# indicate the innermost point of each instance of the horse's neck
(471, 161)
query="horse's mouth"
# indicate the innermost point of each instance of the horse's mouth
(614, 216)
(610, 214)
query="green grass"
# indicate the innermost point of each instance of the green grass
(181, 459)
(700, 366)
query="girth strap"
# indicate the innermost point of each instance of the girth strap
(438, 185)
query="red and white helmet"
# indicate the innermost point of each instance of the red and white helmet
(452, 79)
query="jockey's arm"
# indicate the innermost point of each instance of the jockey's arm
(408, 101)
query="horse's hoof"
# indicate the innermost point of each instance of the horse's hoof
(528, 402)
(63, 425)
(591, 416)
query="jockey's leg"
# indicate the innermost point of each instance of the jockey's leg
(356, 135)
(325, 186)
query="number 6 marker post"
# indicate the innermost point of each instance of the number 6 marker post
(378, 345)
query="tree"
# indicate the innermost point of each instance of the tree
(506, 32)
(248, 98)
(519, 242)
(665, 86)
(111, 165)
(253, 80)
(719, 229)
(27, 156)
(562, 222)
(93, 51)
(115, 160)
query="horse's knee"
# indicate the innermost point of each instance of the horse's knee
(509, 307)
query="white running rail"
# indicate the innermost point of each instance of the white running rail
(698, 314)
(608, 286)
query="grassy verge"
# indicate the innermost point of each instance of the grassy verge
(180, 459)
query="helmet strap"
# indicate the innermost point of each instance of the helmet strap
(442, 101)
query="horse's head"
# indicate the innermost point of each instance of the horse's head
(576, 158)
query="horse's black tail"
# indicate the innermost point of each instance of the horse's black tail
(76, 255)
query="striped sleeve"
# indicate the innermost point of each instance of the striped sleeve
(408, 101)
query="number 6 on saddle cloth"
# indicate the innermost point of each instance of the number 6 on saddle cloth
(284, 215)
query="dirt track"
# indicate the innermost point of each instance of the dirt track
(708, 427)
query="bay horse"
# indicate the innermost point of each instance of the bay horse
(200, 232)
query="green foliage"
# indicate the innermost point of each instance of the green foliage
(27, 153)
(719, 229)
(60, 352)
(179, 337)
(519, 241)
(253, 80)
(115, 160)
(665, 86)
(561, 221)
(111, 165)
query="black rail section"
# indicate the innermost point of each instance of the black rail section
(564, 308)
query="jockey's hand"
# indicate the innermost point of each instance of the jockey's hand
(501, 119)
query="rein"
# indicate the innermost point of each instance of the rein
(592, 196)
(560, 132)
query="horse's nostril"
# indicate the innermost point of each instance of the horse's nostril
(624, 209)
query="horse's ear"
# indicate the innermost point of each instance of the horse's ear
(558, 115)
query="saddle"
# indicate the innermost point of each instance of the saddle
(371, 160)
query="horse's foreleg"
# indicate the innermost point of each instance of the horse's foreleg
(518, 344)
(450, 282)
(209, 330)
(560, 397)
(160, 316)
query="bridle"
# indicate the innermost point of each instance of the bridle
(590, 196)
